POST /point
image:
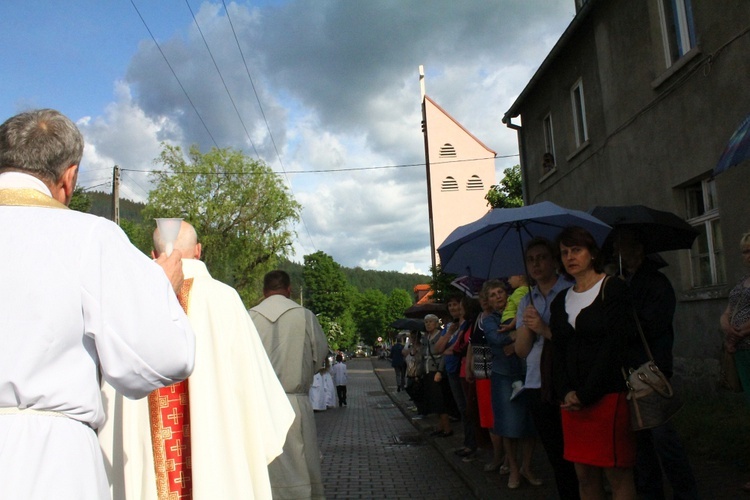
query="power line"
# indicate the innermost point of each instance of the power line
(89, 188)
(135, 181)
(263, 114)
(252, 84)
(333, 170)
(229, 94)
(175, 74)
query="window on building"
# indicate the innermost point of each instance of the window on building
(474, 183)
(707, 254)
(677, 28)
(548, 159)
(449, 184)
(579, 113)
(447, 151)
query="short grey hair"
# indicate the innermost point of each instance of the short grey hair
(42, 142)
(431, 317)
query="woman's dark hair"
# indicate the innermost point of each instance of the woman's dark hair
(472, 309)
(575, 236)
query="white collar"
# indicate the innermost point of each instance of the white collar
(20, 180)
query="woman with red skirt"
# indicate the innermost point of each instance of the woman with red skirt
(592, 325)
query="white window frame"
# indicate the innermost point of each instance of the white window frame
(549, 136)
(683, 29)
(579, 113)
(706, 221)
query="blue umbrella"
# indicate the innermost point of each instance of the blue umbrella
(494, 245)
(738, 148)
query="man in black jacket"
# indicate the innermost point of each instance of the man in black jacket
(654, 301)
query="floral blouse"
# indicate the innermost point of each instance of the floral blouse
(739, 303)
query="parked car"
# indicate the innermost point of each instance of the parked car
(362, 351)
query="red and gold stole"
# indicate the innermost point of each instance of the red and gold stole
(169, 411)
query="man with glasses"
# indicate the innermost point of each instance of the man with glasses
(533, 342)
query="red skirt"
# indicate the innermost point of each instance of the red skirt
(600, 434)
(484, 401)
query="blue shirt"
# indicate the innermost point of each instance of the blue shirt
(542, 305)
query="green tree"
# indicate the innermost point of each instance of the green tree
(80, 200)
(242, 211)
(140, 235)
(327, 292)
(440, 284)
(399, 300)
(341, 333)
(509, 193)
(370, 312)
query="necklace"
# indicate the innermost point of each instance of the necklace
(581, 287)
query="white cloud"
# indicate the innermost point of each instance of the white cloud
(339, 88)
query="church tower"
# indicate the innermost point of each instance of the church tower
(460, 171)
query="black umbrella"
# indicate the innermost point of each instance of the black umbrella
(408, 324)
(659, 231)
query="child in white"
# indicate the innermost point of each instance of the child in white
(338, 372)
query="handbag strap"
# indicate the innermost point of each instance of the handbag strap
(637, 324)
(643, 337)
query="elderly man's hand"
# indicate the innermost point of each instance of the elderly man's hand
(172, 267)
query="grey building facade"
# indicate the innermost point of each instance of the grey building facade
(634, 105)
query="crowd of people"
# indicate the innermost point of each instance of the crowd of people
(541, 363)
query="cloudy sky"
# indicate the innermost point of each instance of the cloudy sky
(326, 92)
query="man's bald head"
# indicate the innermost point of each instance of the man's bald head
(186, 242)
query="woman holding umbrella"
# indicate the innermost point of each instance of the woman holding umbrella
(591, 325)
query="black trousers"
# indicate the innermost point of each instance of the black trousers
(548, 424)
(341, 392)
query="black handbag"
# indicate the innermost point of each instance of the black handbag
(651, 398)
(482, 361)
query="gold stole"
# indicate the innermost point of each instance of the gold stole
(28, 198)
(169, 412)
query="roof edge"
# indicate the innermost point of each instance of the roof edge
(428, 98)
(556, 49)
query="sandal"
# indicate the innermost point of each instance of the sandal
(492, 466)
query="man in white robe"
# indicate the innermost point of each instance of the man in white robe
(297, 347)
(79, 302)
(239, 414)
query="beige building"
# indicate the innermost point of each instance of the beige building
(460, 171)
(635, 104)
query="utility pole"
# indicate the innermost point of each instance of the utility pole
(427, 166)
(116, 195)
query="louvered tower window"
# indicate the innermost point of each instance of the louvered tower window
(447, 151)
(474, 183)
(449, 184)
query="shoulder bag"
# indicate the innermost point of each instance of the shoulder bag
(482, 355)
(651, 399)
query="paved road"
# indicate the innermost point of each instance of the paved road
(361, 457)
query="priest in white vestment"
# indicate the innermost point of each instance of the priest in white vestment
(79, 302)
(297, 347)
(239, 414)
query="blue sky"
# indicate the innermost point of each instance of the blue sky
(338, 82)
